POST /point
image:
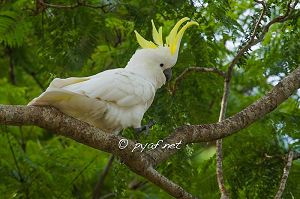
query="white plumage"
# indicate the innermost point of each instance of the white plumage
(116, 99)
(111, 100)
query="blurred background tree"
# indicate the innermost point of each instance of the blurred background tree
(41, 40)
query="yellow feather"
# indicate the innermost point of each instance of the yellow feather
(174, 31)
(157, 36)
(160, 35)
(143, 42)
(180, 34)
(171, 39)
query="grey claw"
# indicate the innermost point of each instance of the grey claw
(145, 128)
(151, 123)
(138, 130)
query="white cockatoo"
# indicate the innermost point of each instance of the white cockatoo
(116, 99)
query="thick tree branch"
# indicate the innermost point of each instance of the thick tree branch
(52, 119)
(164, 183)
(143, 163)
(285, 175)
(210, 132)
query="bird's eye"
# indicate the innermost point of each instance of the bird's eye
(161, 65)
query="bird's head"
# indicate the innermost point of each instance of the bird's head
(156, 55)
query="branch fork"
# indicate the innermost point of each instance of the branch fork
(143, 163)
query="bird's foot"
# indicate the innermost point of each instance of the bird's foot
(145, 128)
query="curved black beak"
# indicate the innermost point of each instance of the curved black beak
(168, 73)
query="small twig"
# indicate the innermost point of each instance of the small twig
(34, 77)
(136, 184)
(285, 175)
(108, 195)
(98, 187)
(12, 76)
(119, 38)
(78, 175)
(22, 141)
(279, 19)
(249, 44)
(224, 102)
(21, 179)
(252, 41)
(78, 4)
(189, 70)
(263, 12)
(267, 156)
(296, 155)
(265, 29)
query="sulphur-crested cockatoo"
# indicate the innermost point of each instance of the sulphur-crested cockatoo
(116, 99)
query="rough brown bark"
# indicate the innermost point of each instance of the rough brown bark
(52, 119)
(143, 163)
(255, 111)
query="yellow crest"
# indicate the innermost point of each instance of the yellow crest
(172, 40)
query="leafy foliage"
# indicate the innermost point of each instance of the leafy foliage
(39, 43)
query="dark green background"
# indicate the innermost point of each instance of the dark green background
(43, 44)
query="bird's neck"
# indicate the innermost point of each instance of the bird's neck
(148, 72)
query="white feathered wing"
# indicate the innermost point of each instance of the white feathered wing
(110, 100)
